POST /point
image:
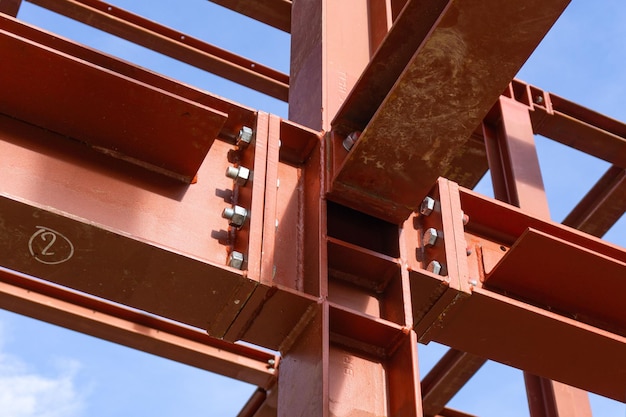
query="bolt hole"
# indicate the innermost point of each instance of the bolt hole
(503, 248)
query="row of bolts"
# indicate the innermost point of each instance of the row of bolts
(237, 215)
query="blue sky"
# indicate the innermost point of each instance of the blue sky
(47, 371)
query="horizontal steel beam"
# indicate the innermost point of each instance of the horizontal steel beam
(130, 115)
(10, 7)
(173, 43)
(572, 124)
(276, 13)
(542, 330)
(115, 323)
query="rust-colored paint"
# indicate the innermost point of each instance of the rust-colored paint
(417, 131)
(111, 113)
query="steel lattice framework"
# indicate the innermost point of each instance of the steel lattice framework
(334, 248)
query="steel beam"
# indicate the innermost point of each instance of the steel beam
(10, 7)
(602, 206)
(418, 132)
(149, 333)
(475, 318)
(446, 379)
(276, 13)
(180, 131)
(173, 43)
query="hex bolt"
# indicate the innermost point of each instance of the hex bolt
(235, 260)
(473, 282)
(245, 137)
(465, 218)
(236, 214)
(434, 267)
(271, 363)
(427, 206)
(538, 99)
(240, 175)
(350, 140)
(430, 237)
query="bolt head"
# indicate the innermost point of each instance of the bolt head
(235, 260)
(245, 137)
(434, 267)
(240, 175)
(427, 206)
(236, 214)
(350, 140)
(430, 237)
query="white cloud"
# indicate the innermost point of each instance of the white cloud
(26, 393)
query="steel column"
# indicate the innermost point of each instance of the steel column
(517, 180)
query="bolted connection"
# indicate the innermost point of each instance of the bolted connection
(434, 267)
(235, 260)
(350, 140)
(245, 137)
(430, 237)
(236, 214)
(427, 206)
(240, 175)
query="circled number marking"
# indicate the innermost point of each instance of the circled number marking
(49, 246)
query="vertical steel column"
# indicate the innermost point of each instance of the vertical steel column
(517, 180)
(330, 47)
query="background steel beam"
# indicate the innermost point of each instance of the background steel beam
(173, 43)
(418, 133)
(135, 329)
(276, 13)
(10, 7)
(446, 379)
(602, 206)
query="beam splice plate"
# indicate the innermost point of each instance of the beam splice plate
(421, 129)
(111, 113)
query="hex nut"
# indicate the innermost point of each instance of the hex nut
(350, 140)
(430, 237)
(427, 206)
(235, 260)
(245, 137)
(240, 175)
(236, 214)
(434, 267)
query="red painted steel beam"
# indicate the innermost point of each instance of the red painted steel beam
(173, 43)
(238, 115)
(276, 13)
(10, 7)
(129, 117)
(417, 132)
(132, 328)
(446, 379)
(448, 412)
(602, 206)
(572, 124)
